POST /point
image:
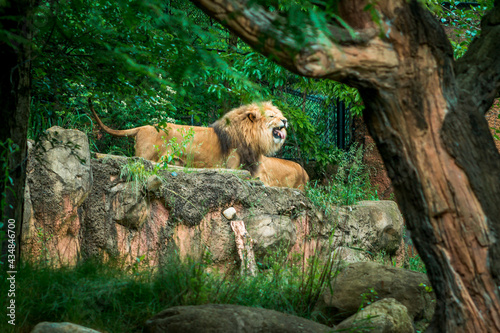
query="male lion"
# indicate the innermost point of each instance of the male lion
(239, 138)
(284, 173)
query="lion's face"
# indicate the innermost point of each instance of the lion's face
(263, 127)
(273, 121)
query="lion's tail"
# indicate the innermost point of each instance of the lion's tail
(130, 132)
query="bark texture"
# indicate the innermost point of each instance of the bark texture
(426, 114)
(15, 85)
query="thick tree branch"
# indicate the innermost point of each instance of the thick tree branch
(478, 71)
(332, 53)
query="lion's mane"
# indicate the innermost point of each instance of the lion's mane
(251, 130)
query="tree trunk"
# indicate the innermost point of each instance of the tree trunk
(444, 167)
(448, 224)
(431, 133)
(15, 95)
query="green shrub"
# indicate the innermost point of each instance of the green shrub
(350, 184)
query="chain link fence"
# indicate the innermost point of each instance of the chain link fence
(330, 117)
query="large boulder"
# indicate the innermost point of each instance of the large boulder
(215, 318)
(347, 255)
(355, 283)
(384, 316)
(59, 180)
(374, 226)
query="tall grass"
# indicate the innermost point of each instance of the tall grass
(113, 297)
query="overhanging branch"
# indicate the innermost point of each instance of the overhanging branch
(331, 52)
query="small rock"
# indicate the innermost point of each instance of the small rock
(30, 144)
(229, 213)
(384, 316)
(129, 207)
(46, 327)
(154, 183)
(349, 255)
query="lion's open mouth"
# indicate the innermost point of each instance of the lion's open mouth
(278, 133)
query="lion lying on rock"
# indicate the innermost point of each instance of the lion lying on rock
(284, 173)
(240, 138)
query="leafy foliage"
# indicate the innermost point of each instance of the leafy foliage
(461, 18)
(178, 149)
(350, 185)
(154, 61)
(7, 148)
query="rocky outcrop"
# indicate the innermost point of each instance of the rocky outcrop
(384, 316)
(132, 209)
(363, 281)
(374, 226)
(59, 180)
(229, 318)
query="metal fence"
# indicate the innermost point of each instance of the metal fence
(330, 117)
